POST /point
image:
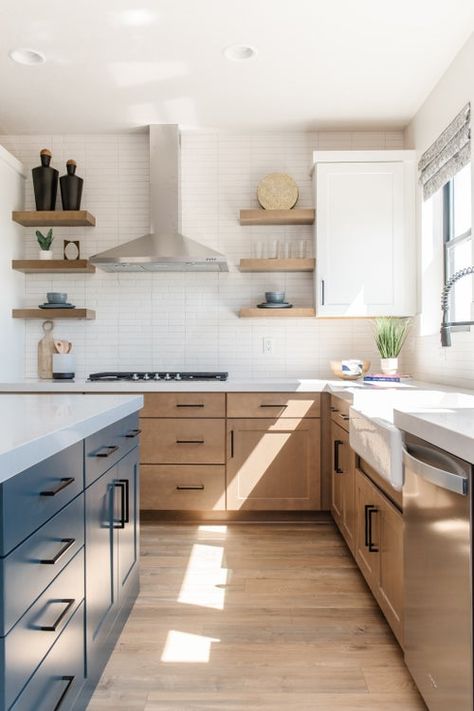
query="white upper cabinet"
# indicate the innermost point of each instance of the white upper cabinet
(365, 243)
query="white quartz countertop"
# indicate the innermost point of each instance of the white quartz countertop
(34, 427)
(449, 428)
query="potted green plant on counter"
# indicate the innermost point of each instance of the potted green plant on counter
(390, 336)
(45, 242)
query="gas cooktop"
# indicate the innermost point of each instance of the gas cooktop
(136, 376)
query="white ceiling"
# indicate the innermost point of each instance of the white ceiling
(121, 64)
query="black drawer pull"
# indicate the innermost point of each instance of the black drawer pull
(369, 510)
(124, 486)
(133, 433)
(184, 404)
(337, 466)
(334, 409)
(344, 417)
(55, 625)
(189, 441)
(109, 449)
(190, 487)
(69, 680)
(64, 482)
(231, 444)
(280, 406)
(51, 561)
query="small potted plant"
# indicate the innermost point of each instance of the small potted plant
(45, 242)
(390, 335)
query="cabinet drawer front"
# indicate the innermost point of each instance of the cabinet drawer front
(33, 636)
(105, 448)
(61, 675)
(171, 441)
(182, 487)
(273, 405)
(184, 405)
(34, 496)
(31, 567)
(340, 411)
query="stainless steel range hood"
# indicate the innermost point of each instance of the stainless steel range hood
(164, 249)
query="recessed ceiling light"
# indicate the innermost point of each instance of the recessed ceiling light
(239, 52)
(27, 56)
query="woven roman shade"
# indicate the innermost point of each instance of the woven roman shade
(447, 155)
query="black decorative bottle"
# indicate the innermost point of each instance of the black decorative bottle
(71, 187)
(45, 183)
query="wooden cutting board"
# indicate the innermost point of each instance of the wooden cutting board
(45, 351)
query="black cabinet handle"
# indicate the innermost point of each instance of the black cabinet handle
(369, 510)
(189, 441)
(280, 406)
(52, 628)
(51, 561)
(133, 433)
(190, 487)
(69, 680)
(344, 417)
(322, 292)
(185, 404)
(107, 450)
(231, 444)
(337, 466)
(123, 485)
(64, 482)
(333, 409)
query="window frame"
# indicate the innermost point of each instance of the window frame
(450, 242)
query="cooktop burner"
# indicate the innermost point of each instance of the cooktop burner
(155, 375)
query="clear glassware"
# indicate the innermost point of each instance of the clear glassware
(284, 249)
(298, 249)
(272, 249)
(258, 249)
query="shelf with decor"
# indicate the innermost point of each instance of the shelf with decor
(53, 266)
(49, 314)
(54, 218)
(277, 265)
(295, 312)
(294, 216)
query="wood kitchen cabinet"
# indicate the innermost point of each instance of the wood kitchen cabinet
(365, 211)
(342, 483)
(379, 549)
(273, 464)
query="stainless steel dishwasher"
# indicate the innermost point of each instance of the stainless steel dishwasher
(438, 575)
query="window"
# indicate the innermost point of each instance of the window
(457, 242)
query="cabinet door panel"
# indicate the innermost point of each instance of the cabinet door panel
(390, 583)
(101, 591)
(273, 465)
(127, 493)
(366, 495)
(364, 210)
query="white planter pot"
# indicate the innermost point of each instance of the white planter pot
(389, 366)
(46, 254)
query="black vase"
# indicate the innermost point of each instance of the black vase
(71, 188)
(45, 183)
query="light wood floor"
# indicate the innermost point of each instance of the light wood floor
(244, 617)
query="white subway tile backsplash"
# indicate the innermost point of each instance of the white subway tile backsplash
(190, 320)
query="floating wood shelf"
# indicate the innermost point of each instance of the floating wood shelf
(296, 216)
(277, 265)
(297, 312)
(53, 266)
(45, 314)
(54, 218)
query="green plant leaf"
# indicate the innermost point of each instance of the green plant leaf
(390, 335)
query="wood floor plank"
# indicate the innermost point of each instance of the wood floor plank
(253, 618)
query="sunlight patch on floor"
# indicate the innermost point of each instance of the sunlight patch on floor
(204, 573)
(187, 648)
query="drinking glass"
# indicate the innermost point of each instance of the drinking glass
(298, 249)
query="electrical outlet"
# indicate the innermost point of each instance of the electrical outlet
(268, 345)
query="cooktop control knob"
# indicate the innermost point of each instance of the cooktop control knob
(135, 376)
(167, 376)
(156, 376)
(146, 377)
(177, 376)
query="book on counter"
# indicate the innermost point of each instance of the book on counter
(381, 378)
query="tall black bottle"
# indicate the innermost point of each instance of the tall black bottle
(45, 183)
(71, 187)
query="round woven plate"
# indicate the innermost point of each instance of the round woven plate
(277, 191)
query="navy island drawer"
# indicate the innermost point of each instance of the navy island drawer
(27, 644)
(58, 681)
(106, 447)
(32, 497)
(31, 567)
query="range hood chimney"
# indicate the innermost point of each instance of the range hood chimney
(164, 249)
